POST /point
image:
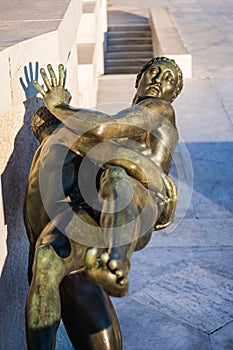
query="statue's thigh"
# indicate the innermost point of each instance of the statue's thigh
(52, 258)
(88, 315)
(116, 182)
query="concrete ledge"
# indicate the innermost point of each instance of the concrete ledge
(51, 44)
(86, 53)
(167, 41)
(23, 20)
(90, 49)
(34, 36)
(89, 6)
(88, 78)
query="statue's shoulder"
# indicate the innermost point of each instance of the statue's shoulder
(155, 102)
(162, 107)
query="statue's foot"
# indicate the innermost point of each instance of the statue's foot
(109, 273)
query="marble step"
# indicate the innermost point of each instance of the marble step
(129, 27)
(129, 48)
(129, 41)
(129, 55)
(129, 34)
(139, 62)
(122, 70)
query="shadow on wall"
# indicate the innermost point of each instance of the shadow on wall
(13, 282)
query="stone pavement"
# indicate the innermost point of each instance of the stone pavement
(181, 284)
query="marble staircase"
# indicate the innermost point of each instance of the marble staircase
(129, 47)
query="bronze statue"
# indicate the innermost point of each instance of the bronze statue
(81, 240)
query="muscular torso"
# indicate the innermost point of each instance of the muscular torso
(150, 123)
(35, 214)
(156, 140)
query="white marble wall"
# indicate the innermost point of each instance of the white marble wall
(35, 34)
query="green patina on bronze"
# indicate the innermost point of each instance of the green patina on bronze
(72, 280)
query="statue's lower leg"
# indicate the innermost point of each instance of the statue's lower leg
(121, 223)
(88, 315)
(43, 302)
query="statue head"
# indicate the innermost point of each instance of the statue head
(161, 77)
(43, 123)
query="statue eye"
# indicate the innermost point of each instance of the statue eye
(154, 71)
(170, 79)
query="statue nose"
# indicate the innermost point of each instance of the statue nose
(157, 79)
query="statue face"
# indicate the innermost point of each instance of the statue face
(159, 80)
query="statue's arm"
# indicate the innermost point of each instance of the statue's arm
(164, 138)
(152, 116)
(146, 116)
(99, 126)
(163, 142)
(57, 100)
(132, 121)
(95, 124)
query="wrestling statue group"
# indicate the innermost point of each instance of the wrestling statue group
(97, 188)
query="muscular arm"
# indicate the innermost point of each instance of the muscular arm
(152, 115)
(129, 122)
(132, 121)
(163, 139)
(163, 142)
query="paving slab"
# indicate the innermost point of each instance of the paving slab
(157, 329)
(181, 284)
(193, 232)
(221, 339)
(190, 291)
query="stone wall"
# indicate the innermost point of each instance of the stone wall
(36, 34)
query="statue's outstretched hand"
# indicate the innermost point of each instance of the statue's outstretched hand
(56, 93)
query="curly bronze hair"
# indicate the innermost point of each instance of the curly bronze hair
(43, 120)
(164, 59)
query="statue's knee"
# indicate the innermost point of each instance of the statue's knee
(47, 260)
(52, 236)
(116, 172)
(116, 184)
(112, 176)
